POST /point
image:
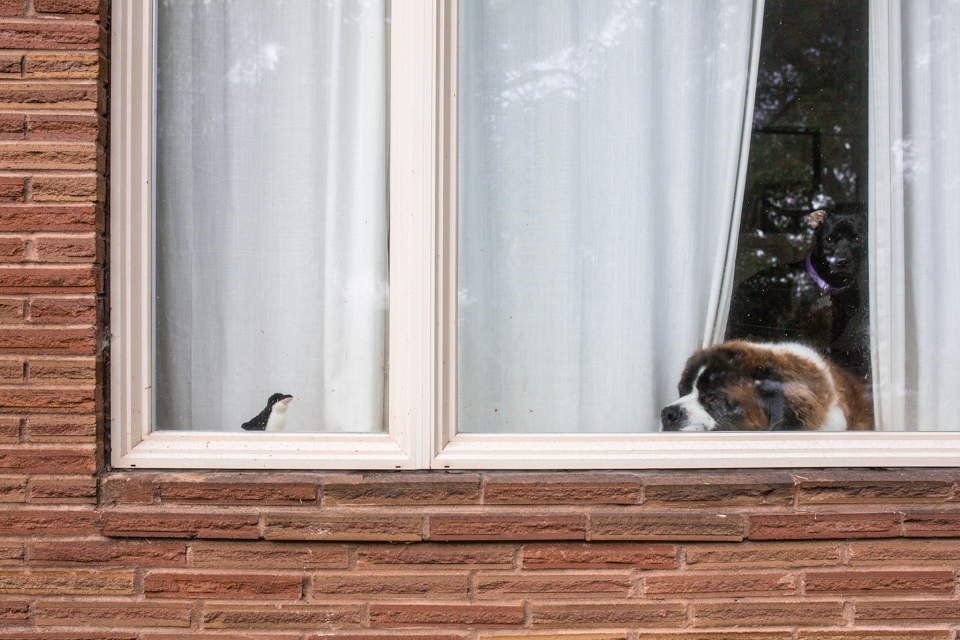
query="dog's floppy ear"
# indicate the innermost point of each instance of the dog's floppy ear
(770, 392)
(816, 218)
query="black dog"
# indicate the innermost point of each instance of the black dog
(811, 301)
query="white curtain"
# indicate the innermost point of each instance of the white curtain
(271, 212)
(915, 172)
(599, 149)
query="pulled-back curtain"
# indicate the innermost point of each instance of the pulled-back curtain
(599, 149)
(271, 212)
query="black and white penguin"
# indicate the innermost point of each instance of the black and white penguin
(273, 417)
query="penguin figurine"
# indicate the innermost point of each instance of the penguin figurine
(273, 417)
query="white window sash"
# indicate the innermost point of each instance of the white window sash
(679, 451)
(406, 444)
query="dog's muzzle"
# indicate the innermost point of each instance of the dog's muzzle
(673, 418)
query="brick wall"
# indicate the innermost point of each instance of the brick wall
(88, 554)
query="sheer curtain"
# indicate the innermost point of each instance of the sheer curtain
(271, 212)
(915, 160)
(599, 150)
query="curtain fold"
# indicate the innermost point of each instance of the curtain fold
(915, 164)
(599, 149)
(271, 213)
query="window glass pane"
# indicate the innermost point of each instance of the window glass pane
(599, 143)
(271, 213)
(808, 153)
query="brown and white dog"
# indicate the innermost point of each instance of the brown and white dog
(745, 386)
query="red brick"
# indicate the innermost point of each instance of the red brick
(416, 615)
(63, 490)
(11, 310)
(435, 586)
(731, 489)
(335, 635)
(63, 371)
(63, 127)
(67, 6)
(216, 616)
(48, 217)
(41, 428)
(11, 189)
(723, 585)
(27, 522)
(14, 612)
(598, 556)
(666, 527)
(47, 35)
(204, 635)
(11, 552)
(78, 156)
(608, 615)
(13, 489)
(368, 528)
(512, 527)
(53, 188)
(749, 555)
(9, 430)
(12, 249)
(225, 586)
(49, 280)
(291, 490)
(80, 460)
(401, 489)
(40, 399)
(544, 585)
(579, 488)
(72, 310)
(51, 340)
(128, 488)
(124, 614)
(879, 582)
(12, 7)
(874, 634)
(72, 635)
(908, 612)
(108, 553)
(172, 524)
(780, 614)
(905, 552)
(875, 487)
(718, 635)
(65, 65)
(65, 582)
(12, 127)
(800, 526)
(269, 555)
(413, 555)
(11, 64)
(932, 525)
(11, 370)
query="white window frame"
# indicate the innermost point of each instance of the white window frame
(423, 302)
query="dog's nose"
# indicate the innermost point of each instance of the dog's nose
(672, 417)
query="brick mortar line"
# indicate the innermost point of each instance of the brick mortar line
(52, 81)
(29, 174)
(53, 111)
(34, 18)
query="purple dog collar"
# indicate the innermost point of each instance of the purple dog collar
(826, 289)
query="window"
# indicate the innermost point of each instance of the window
(563, 222)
